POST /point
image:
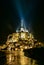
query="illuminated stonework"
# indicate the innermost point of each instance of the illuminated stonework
(21, 39)
(18, 39)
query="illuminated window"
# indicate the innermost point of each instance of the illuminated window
(22, 35)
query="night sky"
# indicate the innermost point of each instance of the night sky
(11, 13)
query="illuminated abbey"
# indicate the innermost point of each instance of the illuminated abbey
(21, 39)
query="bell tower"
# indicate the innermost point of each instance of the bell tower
(22, 27)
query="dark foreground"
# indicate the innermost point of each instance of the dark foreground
(28, 57)
(36, 53)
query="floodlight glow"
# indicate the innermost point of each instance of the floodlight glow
(22, 23)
